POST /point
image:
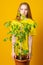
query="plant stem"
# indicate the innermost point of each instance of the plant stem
(20, 52)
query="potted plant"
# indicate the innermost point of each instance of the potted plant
(20, 30)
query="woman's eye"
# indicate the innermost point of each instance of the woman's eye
(21, 9)
(26, 9)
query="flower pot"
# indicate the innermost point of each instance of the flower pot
(21, 62)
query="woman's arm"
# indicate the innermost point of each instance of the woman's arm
(13, 42)
(30, 45)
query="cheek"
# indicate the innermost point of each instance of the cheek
(21, 11)
(26, 12)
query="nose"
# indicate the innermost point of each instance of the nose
(24, 11)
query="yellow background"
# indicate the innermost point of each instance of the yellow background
(8, 11)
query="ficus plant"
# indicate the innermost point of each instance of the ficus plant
(19, 30)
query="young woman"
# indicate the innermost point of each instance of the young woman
(24, 9)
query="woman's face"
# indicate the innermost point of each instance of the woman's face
(23, 10)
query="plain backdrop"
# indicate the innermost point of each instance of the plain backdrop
(8, 11)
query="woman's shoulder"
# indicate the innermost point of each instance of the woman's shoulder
(29, 20)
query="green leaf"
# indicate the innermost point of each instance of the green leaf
(35, 24)
(7, 24)
(27, 28)
(5, 39)
(19, 54)
(25, 51)
(10, 38)
(11, 32)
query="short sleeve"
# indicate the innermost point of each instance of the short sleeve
(34, 27)
(33, 31)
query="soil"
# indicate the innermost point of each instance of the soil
(23, 57)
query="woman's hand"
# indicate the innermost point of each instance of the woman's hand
(13, 55)
(29, 56)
